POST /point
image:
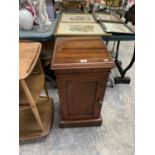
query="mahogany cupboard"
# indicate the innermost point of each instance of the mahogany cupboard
(82, 66)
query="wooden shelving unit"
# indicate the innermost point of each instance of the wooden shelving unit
(35, 83)
(29, 128)
(35, 110)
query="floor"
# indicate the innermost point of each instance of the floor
(114, 137)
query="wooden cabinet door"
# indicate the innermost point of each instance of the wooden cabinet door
(81, 95)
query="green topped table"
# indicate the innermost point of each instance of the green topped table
(35, 36)
(42, 37)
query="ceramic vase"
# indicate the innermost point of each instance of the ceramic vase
(25, 19)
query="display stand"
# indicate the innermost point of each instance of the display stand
(35, 110)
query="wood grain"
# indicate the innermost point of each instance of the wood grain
(81, 85)
(73, 50)
(35, 111)
(28, 55)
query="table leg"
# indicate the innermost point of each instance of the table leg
(123, 79)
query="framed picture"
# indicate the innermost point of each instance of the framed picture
(77, 18)
(80, 29)
(74, 5)
(114, 3)
(107, 17)
(72, 0)
(116, 28)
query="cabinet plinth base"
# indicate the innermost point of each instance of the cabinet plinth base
(81, 123)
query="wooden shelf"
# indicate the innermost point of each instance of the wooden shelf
(35, 111)
(28, 56)
(35, 84)
(29, 128)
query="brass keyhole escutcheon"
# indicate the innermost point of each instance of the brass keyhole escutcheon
(100, 102)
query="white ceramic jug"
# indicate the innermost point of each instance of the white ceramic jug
(25, 19)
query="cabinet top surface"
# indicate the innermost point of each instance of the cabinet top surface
(28, 56)
(81, 52)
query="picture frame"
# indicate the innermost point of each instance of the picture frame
(113, 3)
(77, 18)
(109, 17)
(80, 29)
(73, 6)
(113, 27)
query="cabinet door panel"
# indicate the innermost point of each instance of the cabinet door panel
(80, 95)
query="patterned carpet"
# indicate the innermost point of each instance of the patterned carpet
(114, 137)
